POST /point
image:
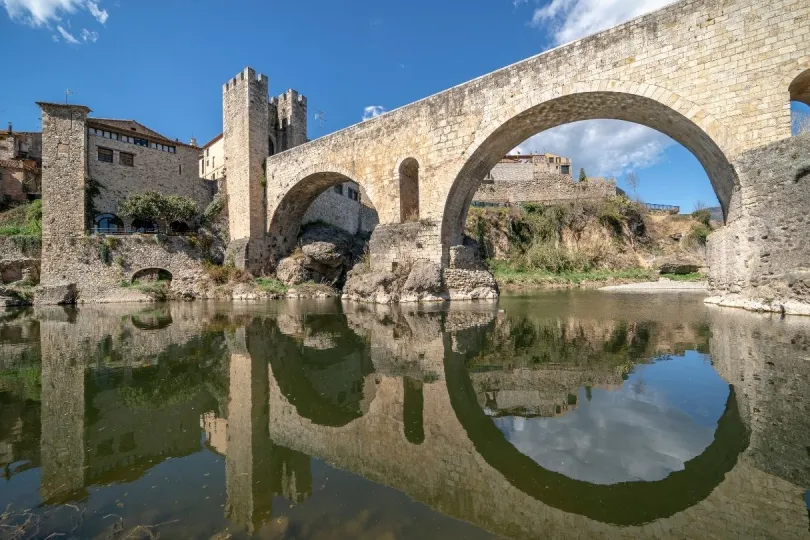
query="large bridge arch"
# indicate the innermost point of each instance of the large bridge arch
(286, 209)
(668, 112)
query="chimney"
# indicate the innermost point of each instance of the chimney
(193, 142)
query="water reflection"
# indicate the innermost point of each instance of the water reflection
(571, 413)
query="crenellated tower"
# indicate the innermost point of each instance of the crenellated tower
(246, 132)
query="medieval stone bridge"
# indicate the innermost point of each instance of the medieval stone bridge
(717, 76)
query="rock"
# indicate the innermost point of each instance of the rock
(291, 271)
(370, 286)
(464, 284)
(423, 278)
(324, 254)
(54, 294)
(679, 264)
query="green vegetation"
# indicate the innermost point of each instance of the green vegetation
(23, 221)
(158, 290)
(226, 273)
(106, 245)
(702, 215)
(684, 277)
(270, 285)
(699, 233)
(507, 274)
(214, 208)
(151, 205)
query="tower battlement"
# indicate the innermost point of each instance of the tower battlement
(246, 76)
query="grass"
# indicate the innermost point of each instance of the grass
(506, 274)
(158, 290)
(23, 220)
(270, 285)
(685, 277)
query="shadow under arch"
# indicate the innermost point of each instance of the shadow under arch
(295, 366)
(684, 122)
(626, 503)
(285, 223)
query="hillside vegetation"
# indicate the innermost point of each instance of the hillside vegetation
(584, 241)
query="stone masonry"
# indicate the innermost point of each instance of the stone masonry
(715, 75)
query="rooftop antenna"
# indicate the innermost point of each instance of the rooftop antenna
(68, 92)
(320, 116)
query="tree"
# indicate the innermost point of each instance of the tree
(582, 176)
(632, 183)
(152, 206)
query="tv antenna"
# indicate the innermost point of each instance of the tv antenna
(68, 92)
(320, 116)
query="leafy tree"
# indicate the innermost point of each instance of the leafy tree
(154, 206)
(582, 176)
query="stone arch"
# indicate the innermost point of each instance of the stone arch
(151, 274)
(271, 145)
(706, 137)
(625, 503)
(797, 82)
(408, 174)
(285, 219)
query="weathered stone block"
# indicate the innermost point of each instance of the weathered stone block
(56, 294)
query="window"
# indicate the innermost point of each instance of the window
(565, 169)
(339, 189)
(108, 223)
(551, 160)
(141, 142)
(126, 159)
(214, 162)
(105, 154)
(354, 195)
(180, 169)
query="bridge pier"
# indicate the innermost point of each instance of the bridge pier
(761, 259)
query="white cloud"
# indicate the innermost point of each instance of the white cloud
(644, 431)
(372, 111)
(53, 15)
(40, 12)
(67, 36)
(101, 15)
(568, 20)
(601, 147)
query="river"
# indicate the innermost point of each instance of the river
(567, 414)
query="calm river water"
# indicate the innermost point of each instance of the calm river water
(553, 415)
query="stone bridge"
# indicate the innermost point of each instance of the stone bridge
(717, 76)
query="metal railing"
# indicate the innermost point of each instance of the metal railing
(668, 208)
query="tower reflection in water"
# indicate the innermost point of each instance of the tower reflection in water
(560, 413)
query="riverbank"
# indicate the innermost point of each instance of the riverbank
(510, 279)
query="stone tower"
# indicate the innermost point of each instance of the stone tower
(245, 123)
(291, 119)
(64, 169)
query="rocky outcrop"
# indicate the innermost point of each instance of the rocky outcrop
(56, 294)
(326, 254)
(422, 282)
(679, 264)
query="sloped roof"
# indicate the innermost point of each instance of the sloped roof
(130, 127)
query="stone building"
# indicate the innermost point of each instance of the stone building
(544, 178)
(20, 162)
(125, 157)
(345, 206)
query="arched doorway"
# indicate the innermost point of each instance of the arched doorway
(800, 103)
(505, 134)
(108, 224)
(144, 226)
(179, 227)
(409, 190)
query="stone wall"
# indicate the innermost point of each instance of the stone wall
(524, 182)
(80, 261)
(155, 170)
(398, 246)
(760, 259)
(21, 145)
(342, 212)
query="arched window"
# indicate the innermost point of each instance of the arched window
(179, 227)
(144, 226)
(271, 148)
(108, 224)
(409, 190)
(800, 103)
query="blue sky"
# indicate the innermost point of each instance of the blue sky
(163, 62)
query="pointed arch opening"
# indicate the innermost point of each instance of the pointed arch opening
(800, 103)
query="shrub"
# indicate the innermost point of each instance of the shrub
(214, 208)
(227, 273)
(699, 233)
(702, 215)
(271, 285)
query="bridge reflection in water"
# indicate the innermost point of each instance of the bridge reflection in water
(412, 400)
